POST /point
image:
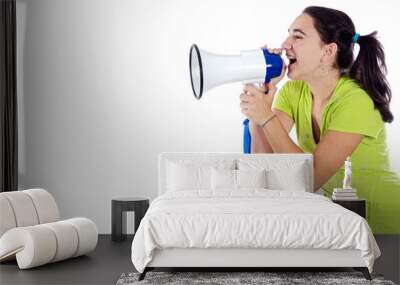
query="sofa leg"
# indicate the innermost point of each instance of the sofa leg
(143, 274)
(364, 271)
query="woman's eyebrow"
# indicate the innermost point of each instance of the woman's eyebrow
(298, 30)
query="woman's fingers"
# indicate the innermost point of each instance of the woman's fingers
(253, 89)
(275, 50)
(245, 108)
(246, 98)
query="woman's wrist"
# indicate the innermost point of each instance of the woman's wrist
(270, 117)
(253, 126)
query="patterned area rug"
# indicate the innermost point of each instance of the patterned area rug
(229, 278)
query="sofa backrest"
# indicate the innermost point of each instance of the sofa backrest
(27, 208)
(286, 169)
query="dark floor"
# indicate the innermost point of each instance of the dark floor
(111, 259)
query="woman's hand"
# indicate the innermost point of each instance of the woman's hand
(255, 104)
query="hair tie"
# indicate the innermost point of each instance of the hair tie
(355, 37)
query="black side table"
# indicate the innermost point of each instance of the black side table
(119, 207)
(356, 205)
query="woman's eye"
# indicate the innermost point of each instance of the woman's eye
(297, 37)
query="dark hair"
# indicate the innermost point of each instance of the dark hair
(369, 68)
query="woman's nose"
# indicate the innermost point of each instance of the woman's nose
(286, 44)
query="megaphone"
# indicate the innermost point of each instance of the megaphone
(208, 70)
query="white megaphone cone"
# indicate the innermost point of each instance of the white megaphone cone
(208, 70)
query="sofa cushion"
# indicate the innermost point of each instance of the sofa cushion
(7, 220)
(45, 205)
(23, 208)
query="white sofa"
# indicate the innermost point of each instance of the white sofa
(32, 233)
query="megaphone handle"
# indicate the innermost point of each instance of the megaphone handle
(246, 137)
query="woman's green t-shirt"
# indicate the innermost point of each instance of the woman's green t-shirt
(350, 109)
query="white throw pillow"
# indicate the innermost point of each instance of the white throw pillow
(223, 179)
(294, 179)
(187, 177)
(251, 178)
(193, 173)
(281, 174)
(237, 179)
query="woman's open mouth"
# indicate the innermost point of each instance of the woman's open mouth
(292, 61)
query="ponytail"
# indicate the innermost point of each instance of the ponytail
(369, 70)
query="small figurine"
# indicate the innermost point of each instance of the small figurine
(347, 174)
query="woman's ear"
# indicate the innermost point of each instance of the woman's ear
(330, 51)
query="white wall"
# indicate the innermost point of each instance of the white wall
(104, 87)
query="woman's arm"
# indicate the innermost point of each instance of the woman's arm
(259, 142)
(329, 155)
